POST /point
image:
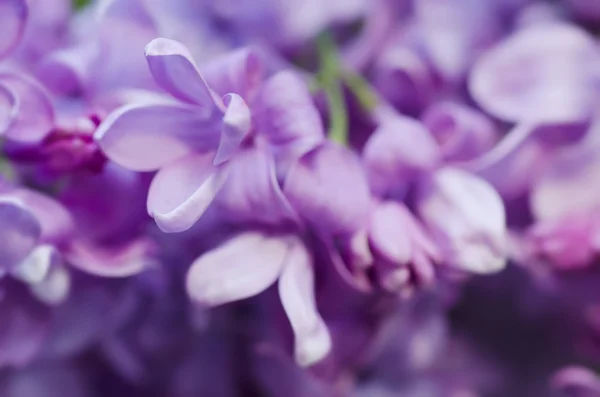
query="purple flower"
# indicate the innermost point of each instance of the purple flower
(248, 264)
(40, 226)
(522, 81)
(405, 255)
(450, 201)
(195, 141)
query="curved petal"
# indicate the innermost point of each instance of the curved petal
(33, 113)
(252, 193)
(236, 126)
(13, 18)
(182, 191)
(69, 71)
(19, 234)
(242, 267)
(8, 109)
(286, 111)
(405, 79)
(240, 71)
(297, 293)
(35, 267)
(462, 132)
(576, 381)
(175, 71)
(287, 117)
(123, 260)
(54, 288)
(467, 219)
(521, 156)
(388, 233)
(398, 150)
(148, 137)
(545, 72)
(55, 220)
(328, 188)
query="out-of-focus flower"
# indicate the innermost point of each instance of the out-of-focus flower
(523, 81)
(451, 201)
(248, 264)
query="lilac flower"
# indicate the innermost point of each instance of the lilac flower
(194, 142)
(463, 133)
(405, 254)
(449, 200)
(39, 228)
(521, 81)
(248, 264)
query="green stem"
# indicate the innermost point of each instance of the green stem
(328, 78)
(79, 4)
(361, 90)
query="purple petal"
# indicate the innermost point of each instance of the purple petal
(388, 233)
(7, 107)
(182, 191)
(568, 243)
(13, 18)
(148, 137)
(19, 234)
(54, 288)
(297, 293)
(567, 186)
(513, 164)
(252, 193)
(462, 132)
(240, 71)
(236, 126)
(544, 72)
(328, 188)
(286, 112)
(521, 156)
(175, 71)
(404, 78)
(70, 71)
(467, 219)
(122, 260)
(123, 29)
(577, 382)
(33, 113)
(36, 266)
(55, 220)
(454, 32)
(394, 155)
(242, 267)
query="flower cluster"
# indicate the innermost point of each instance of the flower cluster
(362, 198)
